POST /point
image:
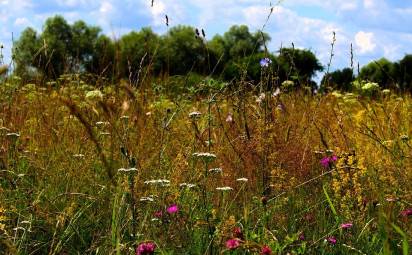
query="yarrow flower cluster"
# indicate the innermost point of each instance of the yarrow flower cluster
(206, 156)
(146, 248)
(161, 182)
(224, 188)
(265, 62)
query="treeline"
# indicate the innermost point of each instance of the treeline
(80, 48)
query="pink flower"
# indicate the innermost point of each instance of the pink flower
(146, 248)
(237, 232)
(266, 250)
(346, 225)
(302, 236)
(331, 240)
(407, 212)
(172, 209)
(158, 214)
(325, 162)
(232, 244)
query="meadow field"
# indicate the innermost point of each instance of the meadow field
(122, 169)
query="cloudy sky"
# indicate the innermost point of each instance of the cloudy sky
(377, 28)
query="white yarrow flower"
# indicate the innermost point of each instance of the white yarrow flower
(224, 188)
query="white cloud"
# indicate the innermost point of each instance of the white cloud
(365, 42)
(22, 22)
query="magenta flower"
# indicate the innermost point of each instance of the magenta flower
(266, 250)
(331, 240)
(346, 225)
(146, 248)
(407, 212)
(232, 244)
(302, 236)
(325, 162)
(172, 209)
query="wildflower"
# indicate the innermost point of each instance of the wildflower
(195, 114)
(216, 170)
(146, 248)
(261, 97)
(229, 118)
(187, 185)
(13, 135)
(407, 212)
(172, 209)
(325, 162)
(346, 225)
(78, 155)
(237, 232)
(146, 199)
(302, 236)
(331, 240)
(242, 179)
(126, 170)
(266, 250)
(224, 188)
(205, 156)
(265, 62)
(276, 93)
(232, 244)
(161, 182)
(158, 214)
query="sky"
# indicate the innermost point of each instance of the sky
(376, 28)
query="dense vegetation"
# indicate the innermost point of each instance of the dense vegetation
(79, 48)
(176, 145)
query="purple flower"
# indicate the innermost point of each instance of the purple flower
(346, 225)
(232, 244)
(146, 248)
(266, 250)
(302, 236)
(331, 240)
(325, 162)
(407, 212)
(265, 62)
(172, 209)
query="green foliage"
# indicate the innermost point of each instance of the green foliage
(381, 71)
(339, 80)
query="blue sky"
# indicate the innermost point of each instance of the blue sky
(377, 28)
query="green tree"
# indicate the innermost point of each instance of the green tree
(58, 40)
(339, 79)
(83, 44)
(381, 71)
(135, 47)
(26, 54)
(236, 48)
(405, 73)
(183, 51)
(298, 65)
